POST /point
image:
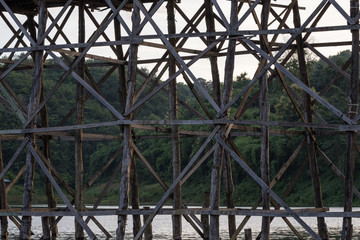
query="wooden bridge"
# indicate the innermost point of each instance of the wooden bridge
(217, 36)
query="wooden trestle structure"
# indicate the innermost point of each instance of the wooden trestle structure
(213, 35)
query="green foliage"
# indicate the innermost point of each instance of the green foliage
(157, 150)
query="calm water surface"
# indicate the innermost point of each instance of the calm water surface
(162, 228)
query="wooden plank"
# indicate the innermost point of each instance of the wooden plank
(314, 169)
(97, 25)
(15, 179)
(343, 13)
(91, 56)
(54, 22)
(179, 49)
(337, 127)
(69, 70)
(335, 169)
(305, 212)
(62, 195)
(271, 60)
(165, 186)
(328, 61)
(164, 83)
(177, 56)
(183, 173)
(18, 23)
(272, 194)
(327, 105)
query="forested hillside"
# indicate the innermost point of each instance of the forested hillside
(157, 149)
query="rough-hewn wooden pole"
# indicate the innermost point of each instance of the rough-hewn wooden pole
(148, 231)
(229, 192)
(25, 230)
(248, 234)
(135, 195)
(121, 67)
(127, 134)
(210, 26)
(264, 116)
(3, 200)
(173, 115)
(80, 94)
(219, 154)
(347, 231)
(322, 228)
(205, 217)
(47, 222)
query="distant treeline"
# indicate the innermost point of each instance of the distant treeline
(157, 150)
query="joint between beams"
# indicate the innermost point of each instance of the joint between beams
(353, 108)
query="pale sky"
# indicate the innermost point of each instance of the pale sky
(245, 63)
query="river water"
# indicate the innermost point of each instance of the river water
(162, 229)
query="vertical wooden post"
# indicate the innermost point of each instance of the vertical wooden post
(173, 114)
(210, 26)
(3, 200)
(148, 231)
(29, 174)
(47, 222)
(248, 234)
(128, 152)
(121, 68)
(229, 192)
(347, 230)
(264, 117)
(219, 150)
(322, 228)
(205, 217)
(25, 229)
(80, 93)
(218, 153)
(135, 196)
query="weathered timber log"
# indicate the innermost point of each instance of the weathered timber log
(148, 231)
(264, 116)
(3, 200)
(347, 229)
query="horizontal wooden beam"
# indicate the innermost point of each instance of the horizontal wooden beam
(303, 212)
